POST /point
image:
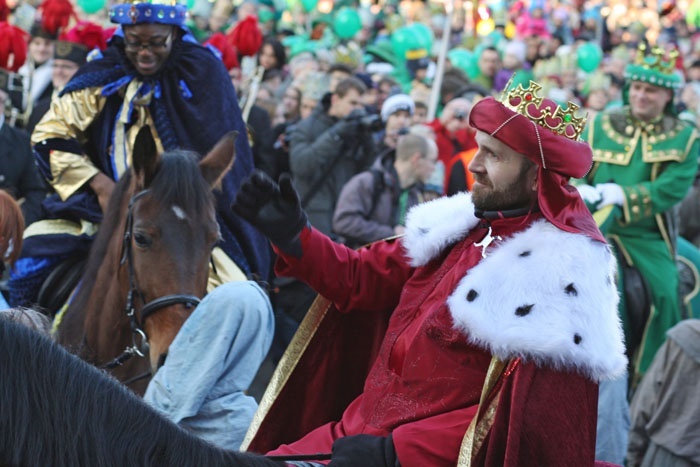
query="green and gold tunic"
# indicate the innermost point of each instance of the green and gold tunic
(655, 164)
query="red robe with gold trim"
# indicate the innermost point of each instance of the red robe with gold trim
(426, 382)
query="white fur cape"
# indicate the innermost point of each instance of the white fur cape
(544, 295)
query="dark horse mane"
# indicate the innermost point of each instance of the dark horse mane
(177, 181)
(56, 409)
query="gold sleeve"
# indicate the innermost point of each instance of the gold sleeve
(68, 118)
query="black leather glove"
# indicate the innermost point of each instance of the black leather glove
(364, 451)
(275, 210)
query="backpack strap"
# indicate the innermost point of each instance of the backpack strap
(378, 186)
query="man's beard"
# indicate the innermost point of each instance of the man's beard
(486, 198)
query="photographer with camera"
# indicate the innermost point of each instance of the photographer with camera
(328, 148)
(452, 131)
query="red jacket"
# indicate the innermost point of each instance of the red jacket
(450, 145)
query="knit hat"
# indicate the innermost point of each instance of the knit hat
(395, 103)
(549, 136)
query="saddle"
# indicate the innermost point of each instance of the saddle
(59, 284)
(638, 300)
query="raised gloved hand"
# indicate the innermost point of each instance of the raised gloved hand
(610, 193)
(363, 451)
(275, 210)
(589, 194)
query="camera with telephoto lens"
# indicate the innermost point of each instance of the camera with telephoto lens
(372, 123)
(368, 122)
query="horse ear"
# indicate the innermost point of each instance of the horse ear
(220, 159)
(144, 161)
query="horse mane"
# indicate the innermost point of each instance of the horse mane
(11, 227)
(178, 181)
(58, 410)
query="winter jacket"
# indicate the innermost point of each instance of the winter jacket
(322, 162)
(362, 215)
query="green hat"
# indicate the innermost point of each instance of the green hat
(383, 51)
(654, 68)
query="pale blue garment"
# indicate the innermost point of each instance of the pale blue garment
(3, 303)
(613, 421)
(212, 361)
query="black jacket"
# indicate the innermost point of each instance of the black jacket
(19, 175)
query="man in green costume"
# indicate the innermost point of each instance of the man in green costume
(644, 162)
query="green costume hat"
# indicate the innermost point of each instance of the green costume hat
(654, 68)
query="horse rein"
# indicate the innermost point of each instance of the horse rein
(139, 339)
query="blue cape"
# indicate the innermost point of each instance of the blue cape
(194, 105)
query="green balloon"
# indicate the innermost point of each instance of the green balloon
(91, 6)
(309, 5)
(346, 23)
(588, 56)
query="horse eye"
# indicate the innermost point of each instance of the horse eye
(141, 240)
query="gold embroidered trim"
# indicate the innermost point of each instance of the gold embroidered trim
(622, 249)
(483, 420)
(693, 293)
(60, 226)
(287, 363)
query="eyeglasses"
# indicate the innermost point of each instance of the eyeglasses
(150, 46)
(64, 66)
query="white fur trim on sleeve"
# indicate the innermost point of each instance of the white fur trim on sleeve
(433, 226)
(548, 296)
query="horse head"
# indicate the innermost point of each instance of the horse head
(148, 266)
(173, 229)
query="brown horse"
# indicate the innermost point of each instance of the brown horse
(149, 263)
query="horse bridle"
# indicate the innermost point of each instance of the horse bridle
(139, 339)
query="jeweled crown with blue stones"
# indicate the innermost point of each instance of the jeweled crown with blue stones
(140, 12)
(655, 68)
(528, 102)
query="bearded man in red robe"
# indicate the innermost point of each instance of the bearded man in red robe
(500, 306)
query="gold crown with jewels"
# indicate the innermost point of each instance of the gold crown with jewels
(545, 113)
(656, 59)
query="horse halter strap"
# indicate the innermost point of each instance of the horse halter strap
(154, 305)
